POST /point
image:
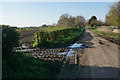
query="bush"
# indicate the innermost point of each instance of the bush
(63, 36)
(20, 65)
(10, 39)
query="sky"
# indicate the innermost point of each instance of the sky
(24, 14)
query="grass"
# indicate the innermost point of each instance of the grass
(20, 65)
(27, 36)
(61, 41)
(108, 34)
(27, 29)
(50, 28)
(69, 38)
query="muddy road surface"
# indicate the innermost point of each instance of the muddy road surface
(98, 60)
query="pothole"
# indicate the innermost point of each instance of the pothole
(103, 43)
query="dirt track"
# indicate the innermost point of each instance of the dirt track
(99, 60)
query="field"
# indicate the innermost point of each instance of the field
(21, 65)
(60, 40)
(109, 34)
(50, 28)
(28, 36)
(106, 28)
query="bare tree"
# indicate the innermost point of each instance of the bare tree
(66, 20)
(80, 21)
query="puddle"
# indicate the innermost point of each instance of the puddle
(23, 46)
(69, 53)
(24, 50)
(63, 53)
(76, 45)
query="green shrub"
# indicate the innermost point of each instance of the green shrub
(63, 36)
(10, 39)
(23, 66)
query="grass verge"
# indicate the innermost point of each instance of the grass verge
(107, 34)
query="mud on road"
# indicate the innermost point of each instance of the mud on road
(98, 60)
(113, 40)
